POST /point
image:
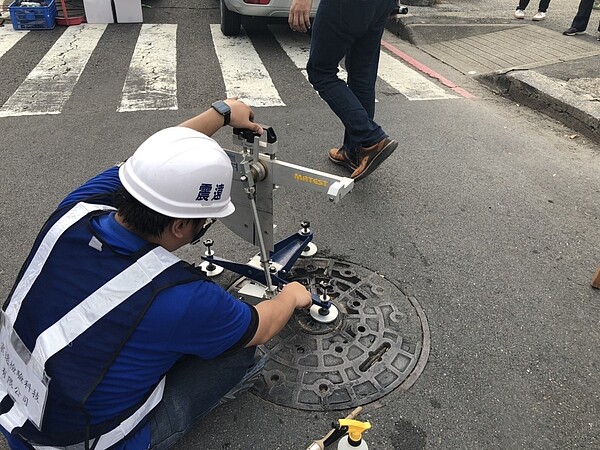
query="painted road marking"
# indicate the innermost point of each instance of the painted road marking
(151, 82)
(426, 70)
(409, 82)
(50, 83)
(244, 74)
(8, 38)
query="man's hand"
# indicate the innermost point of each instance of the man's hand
(274, 313)
(210, 121)
(242, 116)
(299, 293)
(299, 18)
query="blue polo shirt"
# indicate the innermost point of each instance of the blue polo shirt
(198, 318)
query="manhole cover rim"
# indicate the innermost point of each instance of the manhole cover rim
(320, 387)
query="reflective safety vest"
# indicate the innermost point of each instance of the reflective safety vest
(74, 306)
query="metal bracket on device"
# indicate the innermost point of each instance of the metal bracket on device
(257, 173)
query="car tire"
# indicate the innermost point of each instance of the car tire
(231, 22)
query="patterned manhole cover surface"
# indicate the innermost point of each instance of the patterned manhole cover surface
(379, 341)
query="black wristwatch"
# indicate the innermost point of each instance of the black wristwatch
(223, 108)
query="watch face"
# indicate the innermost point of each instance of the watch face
(222, 107)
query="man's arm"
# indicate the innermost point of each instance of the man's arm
(299, 17)
(273, 314)
(210, 121)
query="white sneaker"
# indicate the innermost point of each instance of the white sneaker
(520, 14)
(539, 16)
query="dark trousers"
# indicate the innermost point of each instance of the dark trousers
(582, 18)
(350, 29)
(543, 6)
(194, 388)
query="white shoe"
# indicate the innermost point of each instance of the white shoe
(539, 16)
(520, 14)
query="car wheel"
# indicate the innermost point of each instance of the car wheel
(230, 21)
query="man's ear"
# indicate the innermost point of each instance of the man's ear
(177, 228)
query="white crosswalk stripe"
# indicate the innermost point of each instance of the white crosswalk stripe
(50, 83)
(8, 38)
(409, 82)
(151, 81)
(243, 71)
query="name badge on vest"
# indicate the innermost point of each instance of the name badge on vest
(23, 378)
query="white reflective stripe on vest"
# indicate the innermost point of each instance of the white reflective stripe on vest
(84, 315)
(14, 417)
(100, 303)
(117, 434)
(39, 259)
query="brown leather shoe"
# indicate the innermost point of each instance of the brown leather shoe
(340, 157)
(369, 158)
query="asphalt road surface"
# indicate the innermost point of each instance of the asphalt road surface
(487, 214)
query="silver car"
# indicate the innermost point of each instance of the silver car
(233, 10)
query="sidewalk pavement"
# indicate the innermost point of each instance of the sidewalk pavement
(530, 62)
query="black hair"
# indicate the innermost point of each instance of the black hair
(138, 216)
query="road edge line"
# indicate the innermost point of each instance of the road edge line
(426, 70)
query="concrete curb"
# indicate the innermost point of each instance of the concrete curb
(552, 97)
(396, 26)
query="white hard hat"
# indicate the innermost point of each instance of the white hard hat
(180, 173)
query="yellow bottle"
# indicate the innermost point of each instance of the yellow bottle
(354, 440)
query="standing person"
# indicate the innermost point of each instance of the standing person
(541, 13)
(350, 29)
(114, 341)
(581, 19)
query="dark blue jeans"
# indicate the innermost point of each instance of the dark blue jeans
(194, 388)
(349, 29)
(582, 18)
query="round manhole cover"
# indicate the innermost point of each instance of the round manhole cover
(378, 342)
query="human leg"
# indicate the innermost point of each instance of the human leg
(520, 11)
(582, 18)
(543, 6)
(337, 27)
(541, 12)
(362, 60)
(362, 63)
(193, 388)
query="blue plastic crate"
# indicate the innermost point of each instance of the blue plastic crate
(33, 17)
